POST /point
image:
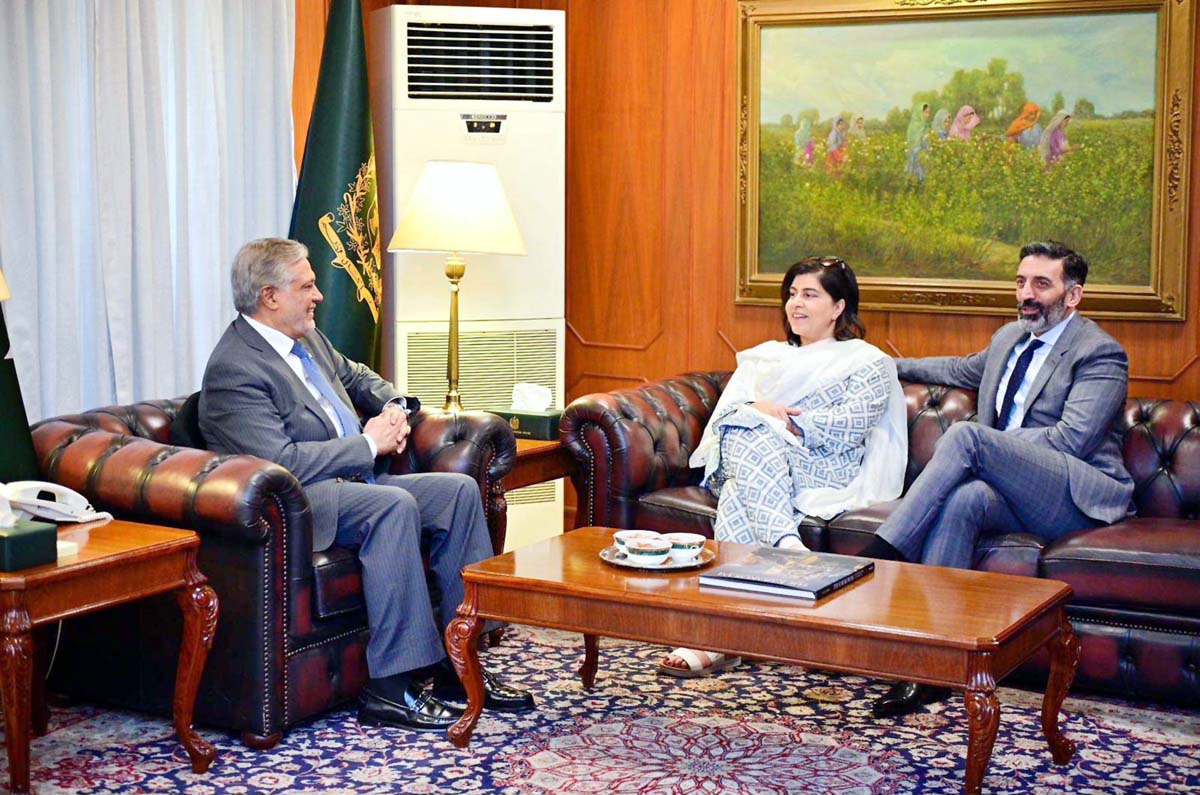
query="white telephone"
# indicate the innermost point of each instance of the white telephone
(27, 498)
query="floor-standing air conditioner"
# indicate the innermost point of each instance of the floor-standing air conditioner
(485, 85)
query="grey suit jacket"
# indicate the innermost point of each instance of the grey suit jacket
(1074, 405)
(252, 403)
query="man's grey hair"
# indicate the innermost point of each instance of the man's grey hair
(261, 263)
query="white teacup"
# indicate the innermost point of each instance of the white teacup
(685, 547)
(648, 551)
(622, 537)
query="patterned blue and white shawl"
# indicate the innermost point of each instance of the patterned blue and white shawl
(815, 377)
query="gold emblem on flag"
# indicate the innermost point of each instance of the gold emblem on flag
(357, 220)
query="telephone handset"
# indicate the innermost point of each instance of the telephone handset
(49, 501)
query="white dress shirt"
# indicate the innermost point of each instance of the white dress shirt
(282, 344)
(1048, 339)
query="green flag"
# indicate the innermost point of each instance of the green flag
(337, 212)
(17, 461)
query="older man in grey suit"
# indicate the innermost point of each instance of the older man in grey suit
(1044, 454)
(276, 388)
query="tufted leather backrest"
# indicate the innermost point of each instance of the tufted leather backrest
(932, 408)
(635, 441)
(1161, 445)
(638, 440)
(1162, 452)
(149, 419)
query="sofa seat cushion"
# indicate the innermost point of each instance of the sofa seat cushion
(693, 509)
(681, 509)
(1009, 553)
(850, 531)
(338, 578)
(1136, 564)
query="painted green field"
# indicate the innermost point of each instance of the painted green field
(979, 202)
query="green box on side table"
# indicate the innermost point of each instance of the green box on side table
(532, 424)
(28, 544)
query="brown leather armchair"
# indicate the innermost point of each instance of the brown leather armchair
(292, 633)
(1136, 606)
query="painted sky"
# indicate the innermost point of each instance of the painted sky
(1106, 58)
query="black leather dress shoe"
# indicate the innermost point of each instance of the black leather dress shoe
(906, 697)
(498, 696)
(419, 711)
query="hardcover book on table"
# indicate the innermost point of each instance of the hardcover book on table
(789, 572)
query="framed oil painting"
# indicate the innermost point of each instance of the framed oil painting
(925, 141)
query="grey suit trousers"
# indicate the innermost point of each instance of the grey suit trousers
(391, 523)
(981, 480)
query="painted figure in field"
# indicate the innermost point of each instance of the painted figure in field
(917, 139)
(1025, 129)
(941, 123)
(802, 143)
(837, 146)
(964, 121)
(1053, 145)
(858, 128)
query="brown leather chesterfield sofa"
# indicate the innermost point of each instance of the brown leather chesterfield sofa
(292, 633)
(1136, 605)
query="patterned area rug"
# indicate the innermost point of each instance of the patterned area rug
(756, 730)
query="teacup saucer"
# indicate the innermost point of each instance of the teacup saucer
(617, 558)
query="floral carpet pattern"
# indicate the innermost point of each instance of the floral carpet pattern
(757, 730)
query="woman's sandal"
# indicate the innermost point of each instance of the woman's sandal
(699, 663)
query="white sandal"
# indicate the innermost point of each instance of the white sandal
(699, 663)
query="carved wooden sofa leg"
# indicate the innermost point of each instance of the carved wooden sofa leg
(259, 742)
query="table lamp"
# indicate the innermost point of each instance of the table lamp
(457, 207)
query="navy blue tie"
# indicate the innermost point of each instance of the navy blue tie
(1014, 383)
(346, 418)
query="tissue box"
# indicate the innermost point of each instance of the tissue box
(532, 424)
(28, 544)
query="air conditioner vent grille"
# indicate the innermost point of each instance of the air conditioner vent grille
(486, 62)
(490, 363)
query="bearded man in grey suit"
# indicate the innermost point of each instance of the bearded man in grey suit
(276, 388)
(1044, 454)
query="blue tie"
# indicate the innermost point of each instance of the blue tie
(1014, 383)
(346, 418)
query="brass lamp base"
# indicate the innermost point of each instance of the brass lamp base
(455, 268)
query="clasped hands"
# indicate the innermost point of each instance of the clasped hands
(779, 412)
(389, 430)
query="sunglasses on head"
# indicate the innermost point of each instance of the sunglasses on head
(825, 262)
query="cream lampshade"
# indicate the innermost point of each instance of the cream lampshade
(4, 295)
(457, 207)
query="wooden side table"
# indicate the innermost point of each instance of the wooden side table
(538, 462)
(117, 562)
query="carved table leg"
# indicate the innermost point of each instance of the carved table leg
(983, 720)
(591, 659)
(16, 665)
(1064, 660)
(464, 653)
(199, 606)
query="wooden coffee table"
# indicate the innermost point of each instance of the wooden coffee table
(949, 627)
(117, 562)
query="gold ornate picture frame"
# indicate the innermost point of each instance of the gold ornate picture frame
(925, 141)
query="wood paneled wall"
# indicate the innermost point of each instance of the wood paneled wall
(650, 211)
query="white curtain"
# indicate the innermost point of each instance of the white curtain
(144, 141)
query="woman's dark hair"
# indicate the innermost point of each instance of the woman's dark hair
(842, 285)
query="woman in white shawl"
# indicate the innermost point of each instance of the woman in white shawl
(812, 426)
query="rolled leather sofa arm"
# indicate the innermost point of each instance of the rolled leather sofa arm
(240, 498)
(632, 441)
(473, 443)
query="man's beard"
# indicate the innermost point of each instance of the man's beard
(1047, 316)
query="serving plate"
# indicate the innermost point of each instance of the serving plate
(616, 557)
